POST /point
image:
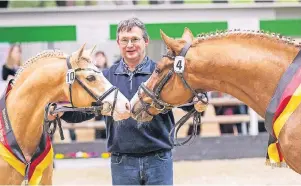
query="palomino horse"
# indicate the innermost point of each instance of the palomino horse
(260, 69)
(25, 148)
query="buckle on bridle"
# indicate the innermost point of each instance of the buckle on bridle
(154, 105)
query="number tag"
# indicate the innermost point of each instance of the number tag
(70, 77)
(179, 64)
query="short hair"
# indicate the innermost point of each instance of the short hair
(128, 24)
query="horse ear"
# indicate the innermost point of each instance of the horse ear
(91, 50)
(187, 35)
(170, 43)
(81, 51)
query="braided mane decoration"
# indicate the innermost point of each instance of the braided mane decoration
(41, 55)
(262, 33)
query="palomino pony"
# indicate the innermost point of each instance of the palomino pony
(25, 149)
(260, 69)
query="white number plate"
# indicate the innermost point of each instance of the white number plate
(70, 77)
(179, 64)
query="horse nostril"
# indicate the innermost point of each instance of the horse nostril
(127, 106)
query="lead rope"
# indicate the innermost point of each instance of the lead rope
(56, 122)
(196, 122)
(181, 122)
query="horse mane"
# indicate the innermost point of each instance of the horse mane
(41, 55)
(237, 32)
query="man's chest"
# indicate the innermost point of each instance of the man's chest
(127, 85)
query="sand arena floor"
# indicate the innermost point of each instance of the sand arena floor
(213, 172)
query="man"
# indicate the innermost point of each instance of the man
(141, 152)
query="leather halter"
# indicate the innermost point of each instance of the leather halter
(98, 99)
(164, 107)
(157, 102)
(95, 108)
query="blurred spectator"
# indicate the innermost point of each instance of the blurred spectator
(231, 110)
(148, 2)
(155, 2)
(176, 1)
(3, 4)
(228, 110)
(226, 128)
(101, 63)
(12, 63)
(60, 3)
(72, 134)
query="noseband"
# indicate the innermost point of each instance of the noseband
(95, 107)
(157, 102)
(164, 107)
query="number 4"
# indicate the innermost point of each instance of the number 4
(179, 64)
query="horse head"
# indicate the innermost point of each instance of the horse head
(53, 76)
(165, 89)
(88, 85)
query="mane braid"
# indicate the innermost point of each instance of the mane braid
(271, 35)
(41, 55)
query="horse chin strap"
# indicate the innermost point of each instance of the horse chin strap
(200, 98)
(95, 108)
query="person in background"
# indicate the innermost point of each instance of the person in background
(101, 61)
(12, 63)
(3, 4)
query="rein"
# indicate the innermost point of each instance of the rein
(95, 108)
(164, 107)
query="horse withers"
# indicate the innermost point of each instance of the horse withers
(260, 69)
(50, 77)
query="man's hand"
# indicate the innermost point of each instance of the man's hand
(199, 105)
(52, 117)
(106, 108)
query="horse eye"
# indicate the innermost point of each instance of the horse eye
(91, 78)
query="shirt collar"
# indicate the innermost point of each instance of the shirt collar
(142, 68)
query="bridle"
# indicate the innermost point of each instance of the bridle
(163, 107)
(95, 107)
(99, 99)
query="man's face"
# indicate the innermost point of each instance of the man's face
(132, 45)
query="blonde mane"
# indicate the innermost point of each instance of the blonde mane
(248, 33)
(41, 55)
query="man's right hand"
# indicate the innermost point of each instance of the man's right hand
(52, 117)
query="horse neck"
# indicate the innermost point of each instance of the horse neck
(38, 85)
(245, 68)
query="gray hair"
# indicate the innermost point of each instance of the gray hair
(128, 24)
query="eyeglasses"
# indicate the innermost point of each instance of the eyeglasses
(125, 41)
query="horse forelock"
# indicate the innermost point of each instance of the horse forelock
(39, 56)
(248, 33)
